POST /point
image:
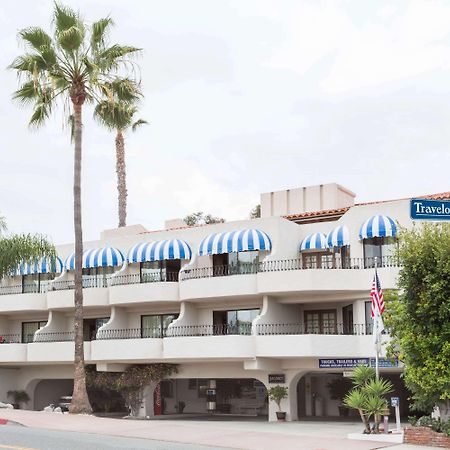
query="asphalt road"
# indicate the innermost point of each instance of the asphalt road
(14, 437)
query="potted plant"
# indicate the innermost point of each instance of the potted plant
(338, 388)
(18, 398)
(276, 394)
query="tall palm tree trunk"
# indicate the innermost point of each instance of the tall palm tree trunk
(121, 178)
(80, 400)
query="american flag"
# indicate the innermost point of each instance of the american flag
(377, 296)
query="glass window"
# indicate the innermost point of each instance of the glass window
(30, 283)
(28, 330)
(156, 325)
(369, 319)
(248, 261)
(151, 271)
(320, 322)
(234, 321)
(381, 248)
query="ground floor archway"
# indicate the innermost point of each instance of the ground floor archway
(49, 392)
(319, 396)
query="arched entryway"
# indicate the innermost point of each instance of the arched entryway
(49, 392)
(320, 395)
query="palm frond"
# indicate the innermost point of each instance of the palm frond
(27, 93)
(69, 28)
(125, 90)
(379, 387)
(362, 374)
(28, 63)
(375, 406)
(36, 37)
(110, 58)
(99, 32)
(41, 112)
(138, 123)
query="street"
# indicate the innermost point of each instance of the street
(16, 437)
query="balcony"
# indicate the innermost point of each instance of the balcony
(142, 288)
(59, 349)
(95, 293)
(11, 350)
(33, 298)
(207, 282)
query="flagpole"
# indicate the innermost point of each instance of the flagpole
(377, 345)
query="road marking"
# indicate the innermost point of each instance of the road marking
(14, 447)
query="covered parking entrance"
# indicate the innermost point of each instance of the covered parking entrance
(244, 397)
(320, 395)
(49, 392)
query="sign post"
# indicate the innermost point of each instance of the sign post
(395, 402)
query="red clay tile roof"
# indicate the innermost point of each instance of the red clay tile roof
(341, 211)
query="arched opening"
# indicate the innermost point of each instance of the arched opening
(49, 392)
(320, 396)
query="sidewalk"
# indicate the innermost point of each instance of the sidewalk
(239, 435)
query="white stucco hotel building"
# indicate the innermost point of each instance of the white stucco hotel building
(238, 306)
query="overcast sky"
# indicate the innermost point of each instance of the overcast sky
(242, 97)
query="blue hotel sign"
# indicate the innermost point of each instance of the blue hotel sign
(351, 363)
(422, 209)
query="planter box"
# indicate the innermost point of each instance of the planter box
(426, 436)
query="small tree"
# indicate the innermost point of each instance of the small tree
(277, 393)
(367, 396)
(131, 383)
(199, 218)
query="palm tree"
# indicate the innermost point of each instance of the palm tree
(70, 66)
(18, 248)
(117, 113)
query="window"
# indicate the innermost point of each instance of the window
(235, 263)
(91, 326)
(156, 325)
(29, 328)
(36, 282)
(369, 319)
(380, 248)
(318, 260)
(95, 277)
(167, 270)
(320, 322)
(234, 321)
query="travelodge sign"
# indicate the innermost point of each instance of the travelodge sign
(422, 209)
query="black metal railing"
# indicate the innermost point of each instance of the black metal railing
(130, 333)
(243, 329)
(138, 278)
(56, 336)
(94, 282)
(270, 329)
(288, 265)
(9, 338)
(220, 271)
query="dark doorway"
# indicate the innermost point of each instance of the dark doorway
(347, 318)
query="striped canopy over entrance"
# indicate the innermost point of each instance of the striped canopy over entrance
(339, 237)
(97, 257)
(316, 241)
(378, 226)
(43, 265)
(234, 241)
(159, 251)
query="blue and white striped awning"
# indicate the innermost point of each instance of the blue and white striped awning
(338, 237)
(159, 250)
(234, 241)
(97, 257)
(378, 226)
(43, 265)
(316, 241)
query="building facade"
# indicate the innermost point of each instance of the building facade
(238, 306)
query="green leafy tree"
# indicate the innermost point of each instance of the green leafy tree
(71, 66)
(199, 218)
(18, 248)
(418, 315)
(277, 393)
(117, 112)
(131, 383)
(368, 396)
